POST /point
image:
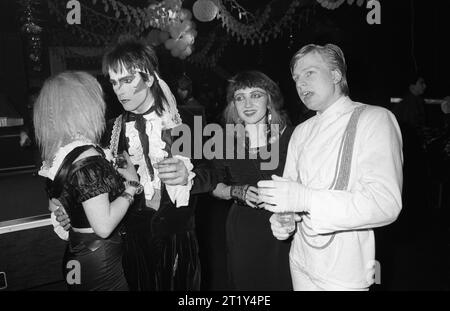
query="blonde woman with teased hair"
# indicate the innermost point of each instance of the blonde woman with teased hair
(69, 120)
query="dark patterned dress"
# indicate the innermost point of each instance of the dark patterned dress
(256, 259)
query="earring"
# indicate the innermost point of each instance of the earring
(269, 117)
(239, 120)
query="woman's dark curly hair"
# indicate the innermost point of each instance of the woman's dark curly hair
(249, 79)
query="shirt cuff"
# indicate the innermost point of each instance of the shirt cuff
(306, 202)
(63, 234)
(302, 200)
(180, 194)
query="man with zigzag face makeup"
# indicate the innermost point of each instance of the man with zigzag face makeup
(161, 248)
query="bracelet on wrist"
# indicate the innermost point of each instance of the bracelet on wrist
(239, 192)
(127, 196)
(135, 184)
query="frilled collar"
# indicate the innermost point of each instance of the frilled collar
(131, 116)
(49, 170)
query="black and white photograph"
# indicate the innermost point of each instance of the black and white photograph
(224, 147)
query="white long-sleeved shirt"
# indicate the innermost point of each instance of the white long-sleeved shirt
(372, 198)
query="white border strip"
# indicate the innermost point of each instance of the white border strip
(427, 100)
(25, 224)
(17, 170)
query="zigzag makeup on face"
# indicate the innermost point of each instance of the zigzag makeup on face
(132, 91)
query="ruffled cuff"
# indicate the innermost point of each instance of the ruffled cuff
(63, 234)
(44, 170)
(179, 195)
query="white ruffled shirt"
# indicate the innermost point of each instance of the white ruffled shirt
(155, 124)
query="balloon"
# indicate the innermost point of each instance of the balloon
(205, 10)
(188, 51)
(169, 44)
(185, 26)
(193, 32)
(175, 31)
(185, 53)
(163, 36)
(175, 52)
(188, 38)
(181, 44)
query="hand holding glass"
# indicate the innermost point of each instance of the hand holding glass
(287, 220)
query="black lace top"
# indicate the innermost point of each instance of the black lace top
(256, 260)
(250, 171)
(89, 177)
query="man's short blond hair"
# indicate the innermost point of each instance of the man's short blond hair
(333, 56)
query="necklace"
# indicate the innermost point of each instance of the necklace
(255, 150)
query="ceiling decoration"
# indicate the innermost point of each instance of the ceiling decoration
(168, 23)
(334, 4)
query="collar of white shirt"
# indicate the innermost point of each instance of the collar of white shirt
(341, 105)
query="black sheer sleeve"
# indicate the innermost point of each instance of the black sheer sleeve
(222, 172)
(206, 177)
(94, 176)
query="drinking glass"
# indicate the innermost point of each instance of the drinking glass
(287, 220)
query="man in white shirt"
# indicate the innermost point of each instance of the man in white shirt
(343, 177)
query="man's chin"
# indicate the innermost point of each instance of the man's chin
(308, 104)
(128, 107)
